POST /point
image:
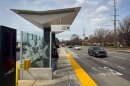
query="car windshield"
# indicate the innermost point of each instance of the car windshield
(97, 48)
(77, 46)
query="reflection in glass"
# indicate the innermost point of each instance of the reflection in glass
(32, 48)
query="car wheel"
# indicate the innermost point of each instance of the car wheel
(94, 55)
(89, 54)
(106, 56)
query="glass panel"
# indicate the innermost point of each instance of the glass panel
(32, 48)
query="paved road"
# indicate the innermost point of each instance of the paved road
(111, 71)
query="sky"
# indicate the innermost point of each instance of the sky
(94, 14)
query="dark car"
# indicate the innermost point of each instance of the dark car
(70, 46)
(97, 51)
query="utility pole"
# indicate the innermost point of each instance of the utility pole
(115, 19)
(83, 36)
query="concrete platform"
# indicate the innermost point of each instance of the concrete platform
(63, 77)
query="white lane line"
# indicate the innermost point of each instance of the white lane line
(104, 60)
(106, 71)
(120, 57)
(99, 71)
(127, 54)
(113, 72)
(121, 67)
(83, 53)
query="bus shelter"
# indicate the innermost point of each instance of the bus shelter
(51, 22)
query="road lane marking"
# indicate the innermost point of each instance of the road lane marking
(99, 71)
(106, 71)
(83, 53)
(121, 67)
(83, 77)
(127, 54)
(120, 57)
(104, 60)
(112, 71)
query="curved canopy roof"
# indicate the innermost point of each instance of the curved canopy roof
(51, 17)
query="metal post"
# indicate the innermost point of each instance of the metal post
(83, 36)
(46, 50)
(21, 52)
(17, 73)
(21, 47)
(115, 23)
(50, 47)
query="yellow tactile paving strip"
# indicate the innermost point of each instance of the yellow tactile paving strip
(83, 77)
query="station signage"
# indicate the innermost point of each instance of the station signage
(60, 28)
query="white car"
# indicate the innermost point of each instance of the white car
(77, 47)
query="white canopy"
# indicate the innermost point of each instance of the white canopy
(51, 17)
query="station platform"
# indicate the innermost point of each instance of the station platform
(65, 75)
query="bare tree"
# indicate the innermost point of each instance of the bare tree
(92, 39)
(109, 38)
(124, 30)
(100, 34)
(75, 39)
(74, 36)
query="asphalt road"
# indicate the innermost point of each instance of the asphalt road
(113, 70)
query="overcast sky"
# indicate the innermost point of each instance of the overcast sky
(94, 14)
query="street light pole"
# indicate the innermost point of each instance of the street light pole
(83, 36)
(115, 15)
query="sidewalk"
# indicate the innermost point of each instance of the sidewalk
(64, 76)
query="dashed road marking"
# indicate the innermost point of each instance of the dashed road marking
(99, 71)
(121, 67)
(120, 57)
(106, 71)
(104, 60)
(83, 53)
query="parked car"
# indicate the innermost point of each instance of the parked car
(97, 51)
(77, 47)
(62, 45)
(70, 46)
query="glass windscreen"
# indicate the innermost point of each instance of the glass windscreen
(32, 48)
